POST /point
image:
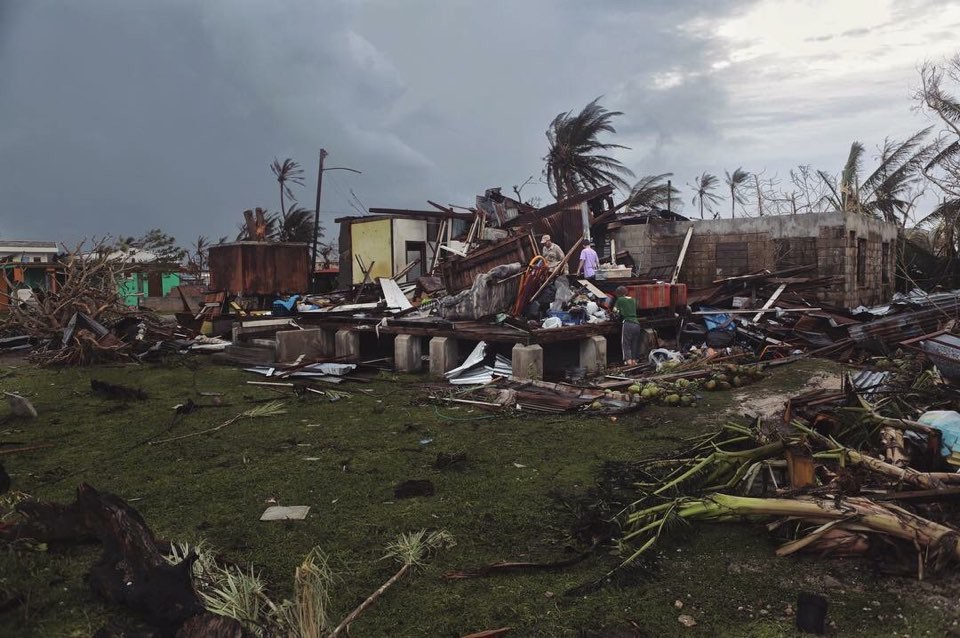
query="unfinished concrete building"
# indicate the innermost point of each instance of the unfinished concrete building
(859, 251)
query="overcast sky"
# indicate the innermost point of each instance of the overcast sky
(117, 116)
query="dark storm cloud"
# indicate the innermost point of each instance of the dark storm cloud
(122, 115)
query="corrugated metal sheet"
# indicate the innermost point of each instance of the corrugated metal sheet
(944, 352)
(259, 268)
(869, 382)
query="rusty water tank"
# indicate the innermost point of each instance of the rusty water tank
(259, 268)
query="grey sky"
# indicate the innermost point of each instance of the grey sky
(122, 115)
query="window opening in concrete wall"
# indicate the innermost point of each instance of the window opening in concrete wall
(732, 259)
(794, 252)
(861, 262)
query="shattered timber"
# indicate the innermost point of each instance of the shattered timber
(541, 443)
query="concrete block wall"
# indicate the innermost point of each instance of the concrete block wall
(730, 247)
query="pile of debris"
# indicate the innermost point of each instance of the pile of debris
(787, 326)
(82, 319)
(863, 470)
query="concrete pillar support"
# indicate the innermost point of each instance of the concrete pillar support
(527, 362)
(408, 353)
(593, 354)
(444, 352)
(347, 345)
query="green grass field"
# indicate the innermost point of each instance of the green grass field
(343, 459)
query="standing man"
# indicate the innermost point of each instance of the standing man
(631, 336)
(552, 254)
(589, 260)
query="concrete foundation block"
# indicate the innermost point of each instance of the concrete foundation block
(528, 361)
(593, 354)
(408, 353)
(347, 345)
(313, 343)
(444, 355)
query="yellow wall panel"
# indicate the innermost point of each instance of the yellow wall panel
(373, 242)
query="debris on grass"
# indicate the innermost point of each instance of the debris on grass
(117, 391)
(840, 461)
(285, 513)
(20, 406)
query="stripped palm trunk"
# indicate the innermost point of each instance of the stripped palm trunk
(852, 514)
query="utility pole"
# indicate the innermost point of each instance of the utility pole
(316, 213)
(316, 222)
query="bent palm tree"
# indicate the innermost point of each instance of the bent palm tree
(944, 236)
(704, 186)
(943, 168)
(652, 191)
(286, 172)
(889, 192)
(735, 183)
(295, 225)
(575, 161)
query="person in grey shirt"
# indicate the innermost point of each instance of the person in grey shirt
(552, 254)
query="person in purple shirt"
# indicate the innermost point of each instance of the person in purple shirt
(589, 260)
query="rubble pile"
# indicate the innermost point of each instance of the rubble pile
(866, 471)
(82, 320)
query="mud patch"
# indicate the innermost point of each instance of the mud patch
(768, 403)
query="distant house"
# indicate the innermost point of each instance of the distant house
(28, 252)
(26, 265)
(145, 277)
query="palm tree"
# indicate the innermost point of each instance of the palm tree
(889, 192)
(652, 191)
(705, 197)
(943, 167)
(944, 236)
(287, 171)
(575, 161)
(735, 183)
(295, 225)
(199, 258)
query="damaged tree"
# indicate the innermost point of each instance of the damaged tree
(131, 571)
(72, 321)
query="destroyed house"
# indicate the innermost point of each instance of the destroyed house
(26, 265)
(385, 242)
(857, 254)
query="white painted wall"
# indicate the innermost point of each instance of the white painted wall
(405, 230)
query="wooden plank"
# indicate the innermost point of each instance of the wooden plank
(683, 254)
(586, 283)
(736, 311)
(394, 296)
(770, 301)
